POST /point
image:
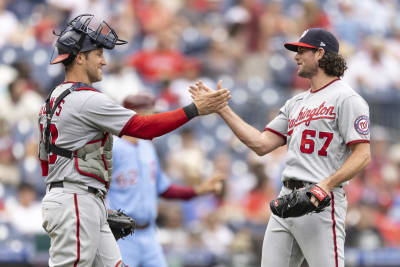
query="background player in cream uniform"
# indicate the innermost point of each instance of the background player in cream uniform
(75, 147)
(326, 130)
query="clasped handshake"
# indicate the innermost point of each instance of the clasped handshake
(208, 100)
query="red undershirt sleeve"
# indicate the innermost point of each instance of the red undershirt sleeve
(148, 127)
(179, 192)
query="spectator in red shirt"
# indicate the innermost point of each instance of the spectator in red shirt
(163, 63)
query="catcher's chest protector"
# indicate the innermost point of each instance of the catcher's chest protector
(94, 159)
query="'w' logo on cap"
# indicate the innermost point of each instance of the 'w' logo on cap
(322, 44)
(304, 33)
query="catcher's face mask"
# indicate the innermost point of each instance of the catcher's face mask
(79, 36)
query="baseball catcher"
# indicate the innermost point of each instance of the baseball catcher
(121, 224)
(77, 124)
(299, 203)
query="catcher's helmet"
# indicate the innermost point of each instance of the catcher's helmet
(79, 37)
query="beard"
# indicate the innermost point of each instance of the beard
(308, 71)
(94, 75)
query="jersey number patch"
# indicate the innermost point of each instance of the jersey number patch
(308, 145)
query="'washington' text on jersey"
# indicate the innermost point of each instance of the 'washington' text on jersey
(306, 115)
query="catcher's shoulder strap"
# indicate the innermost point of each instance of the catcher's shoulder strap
(49, 115)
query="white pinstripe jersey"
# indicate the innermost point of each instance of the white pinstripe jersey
(318, 128)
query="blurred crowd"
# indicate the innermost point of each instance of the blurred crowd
(171, 45)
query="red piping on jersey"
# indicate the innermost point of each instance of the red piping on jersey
(276, 132)
(357, 141)
(85, 173)
(148, 127)
(326, 85)
(86, 89)
(334, 229)
(78, 241)
(118, 263)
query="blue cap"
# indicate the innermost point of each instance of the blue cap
(316, 38)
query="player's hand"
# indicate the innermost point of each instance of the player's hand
(298, 202)
(198, 89)
(203, 88)
(324, 187)
(207, 100)
(211, 185)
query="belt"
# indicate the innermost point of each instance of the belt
(90, 189)
(295, 184)
(141, 227)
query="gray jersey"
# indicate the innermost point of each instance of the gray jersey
(318, 128)
(79, 118)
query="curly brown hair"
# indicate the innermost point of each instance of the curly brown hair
(333, 64)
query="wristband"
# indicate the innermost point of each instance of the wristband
(191, 111)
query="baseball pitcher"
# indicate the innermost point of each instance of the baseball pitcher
(326, 130)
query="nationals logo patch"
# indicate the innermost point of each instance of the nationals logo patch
(361, 124)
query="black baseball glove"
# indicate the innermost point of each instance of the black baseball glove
(121, 224)
(298, 203)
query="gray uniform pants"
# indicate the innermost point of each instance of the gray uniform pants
(76, 222)
(318, 237)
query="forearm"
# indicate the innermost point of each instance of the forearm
(357, 161)
(148, 127)
(249, 135)
(179, 192)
